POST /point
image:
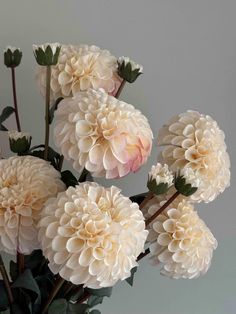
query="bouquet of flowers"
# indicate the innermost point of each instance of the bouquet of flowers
(72, 239)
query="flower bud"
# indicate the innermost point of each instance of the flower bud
(128, 69)
(19, 142)
(186, 182)
(47, 54)
(12, 57)
(160, 178)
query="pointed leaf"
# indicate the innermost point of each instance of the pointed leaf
(7, 111)
(130, 280)
(54, 108)
(103, 292)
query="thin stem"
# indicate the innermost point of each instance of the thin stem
(47, 107)
(20, 262)
(59, 282)
(15, 99)
(61, 162)
(122, 85)
(162, 208)
(142, 255)
(6, 281)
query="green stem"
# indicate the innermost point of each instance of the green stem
(59, 282)
(61, 162)
(15, 99)
(122, 85)
(162, 208)
(47, 107)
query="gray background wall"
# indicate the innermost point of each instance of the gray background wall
(188, 49)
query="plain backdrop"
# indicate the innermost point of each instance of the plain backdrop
(188, 50)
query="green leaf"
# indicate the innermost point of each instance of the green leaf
(138, 198)
(103, 292)
(3, 128)
(54, 108)
(58, 306)
(68, 178)
(16, 309)
(94, 300)
(62, 306)
(13, 270)
(53, 156)
(3, 297)
(95, 312)
(77, 308)
(27, 281)
(130, 280)
(33, 260)
(7, 111)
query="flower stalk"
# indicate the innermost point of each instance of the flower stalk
(47, 107)
(15, 99)
(122, 85)
(162, 208)
(59, 282)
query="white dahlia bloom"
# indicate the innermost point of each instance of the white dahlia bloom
(92, 235)
(79, 68)
(161, 174)
(25, 184)
(181, 242)
(106, 136)
(193, 140)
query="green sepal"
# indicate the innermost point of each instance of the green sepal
(184, 188)
(21, 145)
(157, 189)
(47, 57)
(125, 71)
(12, 59)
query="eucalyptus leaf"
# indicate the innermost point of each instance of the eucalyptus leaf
(95, 312)
(54, 108)
(27, 281)
(130, 280)
(103, 292)
(6, 112)
(68, 178)
(3, 297)
(58, 306)
(94, 300)
(13, 270)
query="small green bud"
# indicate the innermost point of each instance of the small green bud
(47, 54)
(12, 57)
(128, 69)
(183, 187)
(19, 142)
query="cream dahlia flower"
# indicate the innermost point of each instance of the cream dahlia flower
(106, 136)
(161, 174)
(79, 68)
(181, 242)
(25, 184)
(92, 235)
(193, 140)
